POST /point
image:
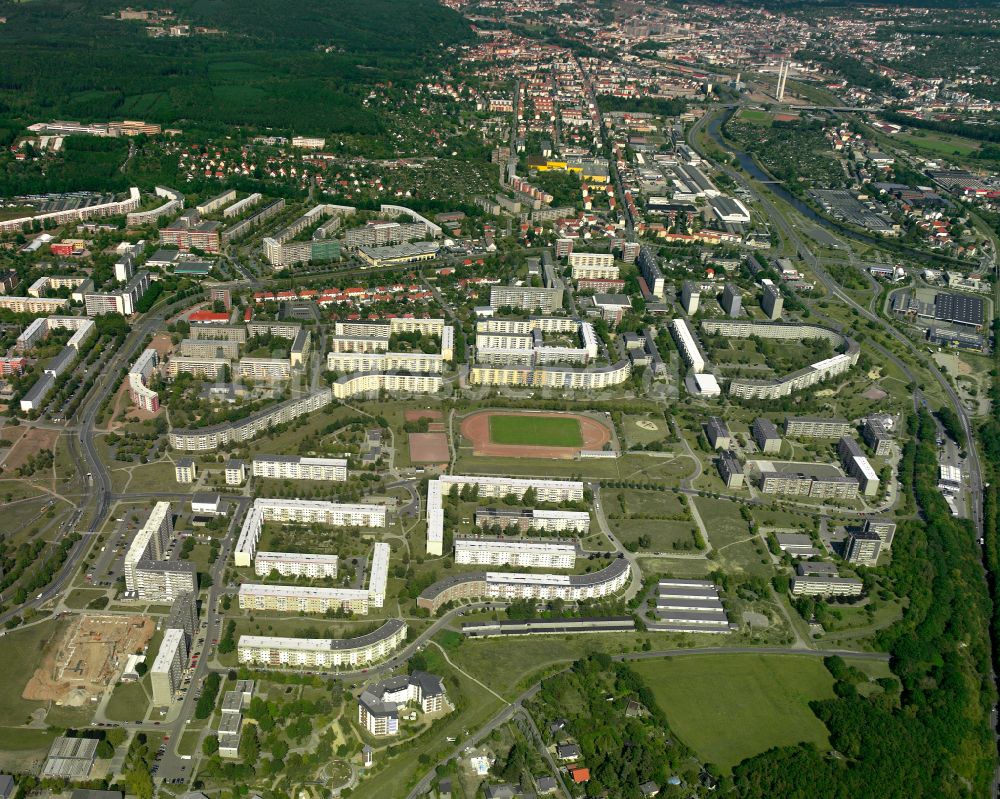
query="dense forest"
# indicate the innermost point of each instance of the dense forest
(310, 62)
(931, 738)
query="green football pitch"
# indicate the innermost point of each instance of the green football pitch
(539, 431)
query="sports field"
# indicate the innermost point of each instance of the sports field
(540, 431)
(731, 707)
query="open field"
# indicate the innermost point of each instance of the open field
(938, 143)
(664, 535)
(429, 448)
(730, 707)
(508, 668)
(755, 117)
(642, 430)
(532, 435)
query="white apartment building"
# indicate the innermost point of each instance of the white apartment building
(348, 362)
(210, 438)
(545, 491)
(593, 266)
(687, 345)
(365, 383)
(268, 369)
(323, 652)
(168, 667)
(301, 511)
(515, 552)
(149, 542)
(295, 564)
(288, 467)
(211, 368)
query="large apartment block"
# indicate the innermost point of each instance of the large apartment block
(295, 564)
(328, 653)
(515, 552)
(524, 519)
(150, 542)
(528, 298)
(590, 265)
(816, 427)
(797, 484)
(289, 467)
(545, 491)
(301, 511)
(168, 667)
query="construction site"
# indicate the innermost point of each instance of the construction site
(80, 664)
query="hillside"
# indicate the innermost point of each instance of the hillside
(275, 64)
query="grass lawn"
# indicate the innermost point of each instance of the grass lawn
(939, 143)
(664, 535)
(82, 597)
(641, 430)
(731, 707)
(755, 117)
(542, 431)
(22, 740)
(189, 742)
(509, 669)
(128, 702)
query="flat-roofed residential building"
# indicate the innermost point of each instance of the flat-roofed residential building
(816, 427)
(525, 519)
(210, 348)
(649, 268)
(515, 552)
(215, 436)
(765, 433)
(219, 333)
(593, 266)
(183, 615)
(138, 378)
(302, 599)
(185, 470)
(857, 465)
(826, 586)
(32, 304)
(236, 472)
(299, 353)
(730, 470)
(771, 301)
(863, 547)
(732, 300)
(268, 369)
(878, 437)
(528, 298)
(150, 541)
(295, 564)
(510, 586)
(687, 345)
(690, 297)
(210, 368)
(348, 653)
(489, 487)
(168, 667)
(301, 511)
(347, 362)
(883, 528)
(717, 433)
(293, 467)
(791, 483)
(165, 580)
(214, 204)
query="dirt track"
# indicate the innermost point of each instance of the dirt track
(476, 428)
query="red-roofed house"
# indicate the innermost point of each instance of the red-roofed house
(579, 774)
